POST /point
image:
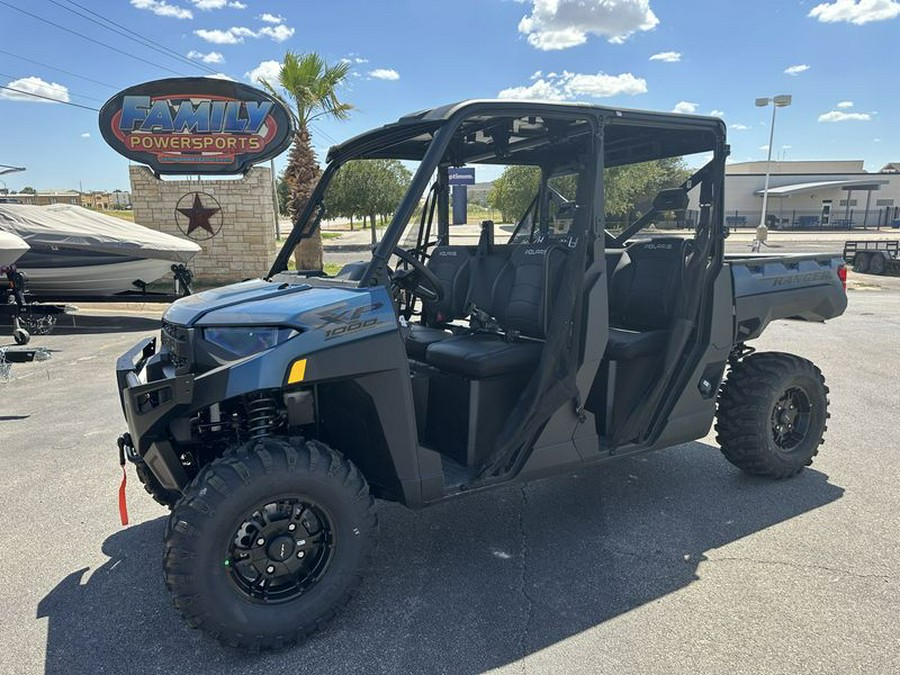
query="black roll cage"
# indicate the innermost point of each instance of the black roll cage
(441, 126)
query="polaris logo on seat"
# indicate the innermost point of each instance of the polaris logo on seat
(654, 247)
(445, 253)
(535, 251)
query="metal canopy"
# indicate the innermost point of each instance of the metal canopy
(536, 132)
(796, 188)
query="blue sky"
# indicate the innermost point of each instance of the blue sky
(837, 58)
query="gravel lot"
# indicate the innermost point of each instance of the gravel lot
(667, 563)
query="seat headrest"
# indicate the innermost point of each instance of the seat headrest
(533, 252)
(658, 247)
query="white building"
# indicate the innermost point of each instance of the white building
(812, 195)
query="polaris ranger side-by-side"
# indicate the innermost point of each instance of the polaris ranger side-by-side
(272, 412)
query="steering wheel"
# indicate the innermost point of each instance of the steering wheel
(420, 280)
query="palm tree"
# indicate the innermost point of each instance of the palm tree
(312, 85)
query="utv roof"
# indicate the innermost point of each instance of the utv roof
(630, 135)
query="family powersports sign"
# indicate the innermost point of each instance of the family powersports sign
(196, 125)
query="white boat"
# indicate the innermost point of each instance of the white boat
(12, 248)
(76, 252)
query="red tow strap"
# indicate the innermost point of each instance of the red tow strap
(123, 507)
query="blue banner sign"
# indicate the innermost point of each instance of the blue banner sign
(462, 176)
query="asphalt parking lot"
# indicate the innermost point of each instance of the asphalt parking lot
(673, 562)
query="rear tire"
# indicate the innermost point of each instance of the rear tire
(877, 264)
(233, 550)
(772, 413)
(861, 263)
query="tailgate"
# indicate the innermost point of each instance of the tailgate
(802, 287)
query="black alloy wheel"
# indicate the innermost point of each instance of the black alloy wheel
(790, 418)
(280, 550)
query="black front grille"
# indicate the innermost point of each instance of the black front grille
(176, 346)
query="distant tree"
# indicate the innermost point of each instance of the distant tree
(626, 189)
(513, 191)
(284, 195)
(632, 187)
(367, 188)
(28, 190)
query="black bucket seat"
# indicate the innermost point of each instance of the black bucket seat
(643, 294)
(518, 297)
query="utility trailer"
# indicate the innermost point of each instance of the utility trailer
(880, 256)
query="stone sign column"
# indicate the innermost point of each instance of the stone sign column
(232, 220)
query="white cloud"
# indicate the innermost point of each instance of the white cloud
(876, 140)
(668, 57)
(542, 90)
(279, 33)
(685, 107)
(217, 4)
(352, 58)
(266, 70)
(37, 86)
(163, 8)
(241, 31)
(845, 104)
(86, 135)
(211, 57)
(536, 75)
(602, 86)
(858, 12)
(384, 74)
(737, 126)
(236, 34)
(572, 85)
(764, 148)
(218, 37)
(717, 113)
(840, 116)
(271, 18)
(796, 70)
(221, 76)
(560, 24)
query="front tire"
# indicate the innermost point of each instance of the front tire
(877, 264)
(772, 413)
(269, 542)
(154, 488)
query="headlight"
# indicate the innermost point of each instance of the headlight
(244, 341)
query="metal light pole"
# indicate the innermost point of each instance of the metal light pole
(780, 101)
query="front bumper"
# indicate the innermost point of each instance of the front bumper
(147, 404)
(152, 397)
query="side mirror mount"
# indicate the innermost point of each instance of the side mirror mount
(671, 199)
